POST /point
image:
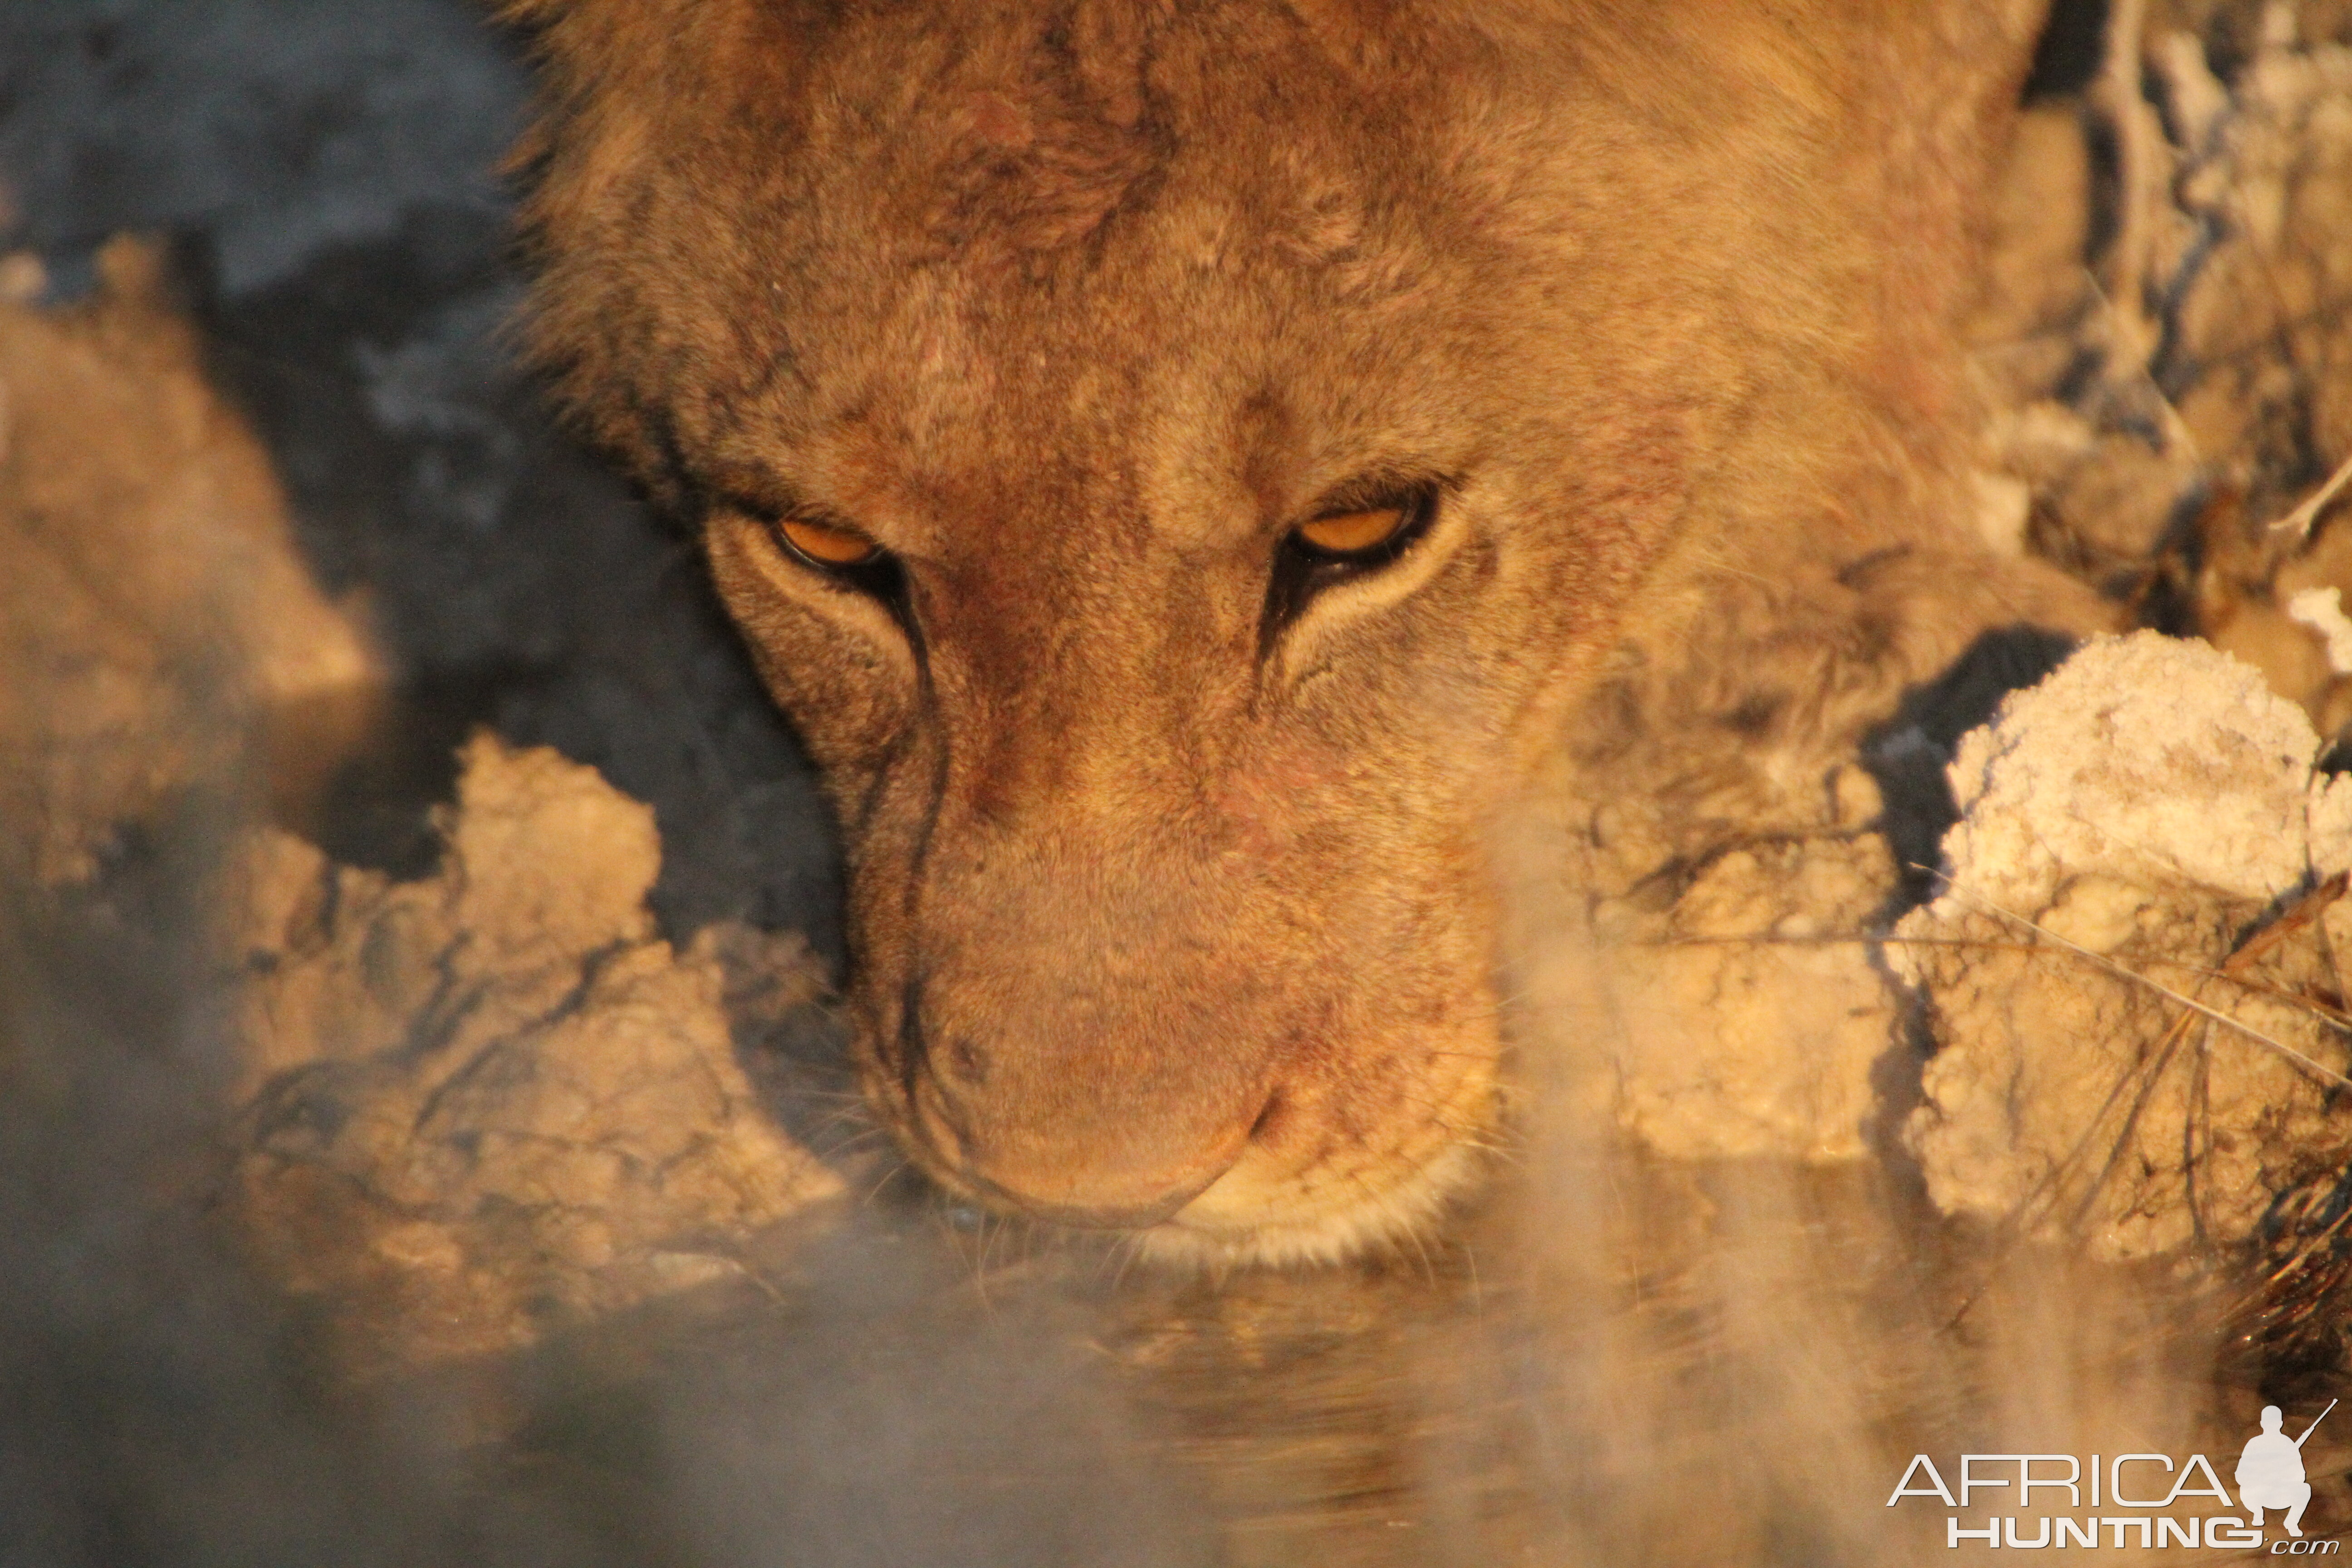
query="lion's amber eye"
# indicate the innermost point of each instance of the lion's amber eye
(826, 546)
(1351, 531)
(1341, 546)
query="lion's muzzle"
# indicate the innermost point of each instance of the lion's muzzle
(1086, 1046)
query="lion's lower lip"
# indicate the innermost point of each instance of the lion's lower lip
(1086, 1184)
(1096, 1199)
(1094, 1217)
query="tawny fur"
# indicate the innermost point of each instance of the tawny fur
(1078, 307)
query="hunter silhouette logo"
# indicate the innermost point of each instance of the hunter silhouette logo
(2270, 1471)
(2144, 1489)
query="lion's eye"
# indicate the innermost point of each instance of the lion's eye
(1350, 533)
(1339, 546)
(846, 559)
(825, 546)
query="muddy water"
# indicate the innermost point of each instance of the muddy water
(1639, 1365)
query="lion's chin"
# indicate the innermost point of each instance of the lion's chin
(1247, 1225)
(1215, 1232)
(1266, 1210)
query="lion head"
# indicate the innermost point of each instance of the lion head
(1176, 464)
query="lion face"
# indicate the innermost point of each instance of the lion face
(1175, 470)
(1144, 938)
(1163, 707)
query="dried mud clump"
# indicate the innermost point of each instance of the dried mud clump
(494, 1098)
(462, 1107)
(1735, 1007)
(1741, 1036)
(158, 630)
(1736, 834)
(2131, 971)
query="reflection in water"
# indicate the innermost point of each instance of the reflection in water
(1643, 1365)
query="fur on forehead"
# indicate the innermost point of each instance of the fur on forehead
(1023, 122)
(715, 181)
(1028, 125)
(678, 181)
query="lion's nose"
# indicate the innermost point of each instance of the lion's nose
(1096, 1179)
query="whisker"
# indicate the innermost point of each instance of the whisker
(891, 1174)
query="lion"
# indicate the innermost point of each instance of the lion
(1184, 466)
